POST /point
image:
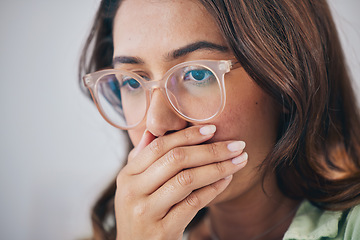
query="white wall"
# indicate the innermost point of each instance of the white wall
(56, 153)
(347, 18)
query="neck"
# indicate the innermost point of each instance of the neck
(254, 215)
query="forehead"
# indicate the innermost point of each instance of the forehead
(162, 25)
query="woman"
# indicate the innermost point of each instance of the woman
(241, 114)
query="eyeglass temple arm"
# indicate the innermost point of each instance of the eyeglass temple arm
(235, 64)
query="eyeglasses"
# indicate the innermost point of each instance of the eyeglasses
(195, 90)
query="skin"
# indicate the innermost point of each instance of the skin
(157, 197)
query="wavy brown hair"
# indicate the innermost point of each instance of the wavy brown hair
(292, 51)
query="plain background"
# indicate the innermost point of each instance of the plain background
(56, 152)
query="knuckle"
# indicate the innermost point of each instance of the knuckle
(175, 155)
(156, 146)
(213, 149)
(188, 133)
(193, 201)
(215, 187)
(220, 168)
(126, 194)
(185, 178)
(140, 210)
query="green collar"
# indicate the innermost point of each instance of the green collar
(312, 223)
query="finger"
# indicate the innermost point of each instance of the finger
(189, 180)
(182, 213)
(147, 138)
(161, 145)
(181, 158)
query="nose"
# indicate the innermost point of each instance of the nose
(161, 118)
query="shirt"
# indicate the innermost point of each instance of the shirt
(312, 223)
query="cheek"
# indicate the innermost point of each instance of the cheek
(135, 135)
(250, 115)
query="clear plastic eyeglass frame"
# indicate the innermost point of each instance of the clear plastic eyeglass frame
(218, 67)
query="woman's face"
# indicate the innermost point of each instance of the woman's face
(148, 32)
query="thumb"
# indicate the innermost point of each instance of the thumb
(146, 138)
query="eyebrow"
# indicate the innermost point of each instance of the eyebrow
(196, 46)
(127, 60)
(180, 52)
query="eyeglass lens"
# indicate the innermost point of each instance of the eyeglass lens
(194, 91)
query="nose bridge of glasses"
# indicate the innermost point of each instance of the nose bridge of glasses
(154, 84)
(160, 85)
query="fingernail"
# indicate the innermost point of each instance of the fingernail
(228, 177)
(146, 138)
(207, 130)
(240, 159)
(143, 137)
(236, 146)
